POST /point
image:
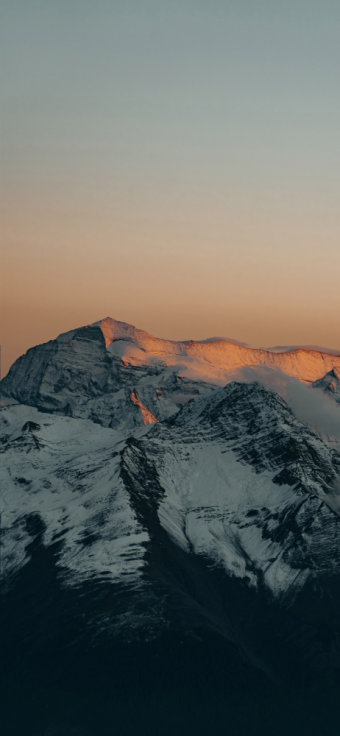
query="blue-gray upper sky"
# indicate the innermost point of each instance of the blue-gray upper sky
(198, 141)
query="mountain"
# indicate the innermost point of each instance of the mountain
(120, 376)
(169, 547)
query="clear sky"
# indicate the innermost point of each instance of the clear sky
(174, 164)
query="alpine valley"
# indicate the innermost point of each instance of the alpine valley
(170, 538)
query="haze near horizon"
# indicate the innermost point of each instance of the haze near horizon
(174, 165)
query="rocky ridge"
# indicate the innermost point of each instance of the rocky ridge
(330, 384)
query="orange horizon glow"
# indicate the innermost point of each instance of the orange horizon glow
(176, 276)
(173, 166)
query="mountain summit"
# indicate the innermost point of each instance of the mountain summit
(117, 375)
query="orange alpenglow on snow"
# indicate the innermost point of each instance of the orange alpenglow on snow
(217, 360)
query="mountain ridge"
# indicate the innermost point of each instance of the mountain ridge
(302, 363)
(215, 362)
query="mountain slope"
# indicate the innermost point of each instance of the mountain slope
(64, 473)
(246, 484)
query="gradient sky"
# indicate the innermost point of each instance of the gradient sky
(173, 164)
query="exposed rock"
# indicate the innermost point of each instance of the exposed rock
(330, 384)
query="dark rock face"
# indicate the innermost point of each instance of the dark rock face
(264, 433)
(330, 384)
(50, 375)
(75, 376)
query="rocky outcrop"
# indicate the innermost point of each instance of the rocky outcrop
(147, 417)
(330, 384)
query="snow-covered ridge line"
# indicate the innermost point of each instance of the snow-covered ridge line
(292, 348)
(304, 364)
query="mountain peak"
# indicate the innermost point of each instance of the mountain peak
(113, 329)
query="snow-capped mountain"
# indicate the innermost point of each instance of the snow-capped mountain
(120, 377)
(169, 547)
